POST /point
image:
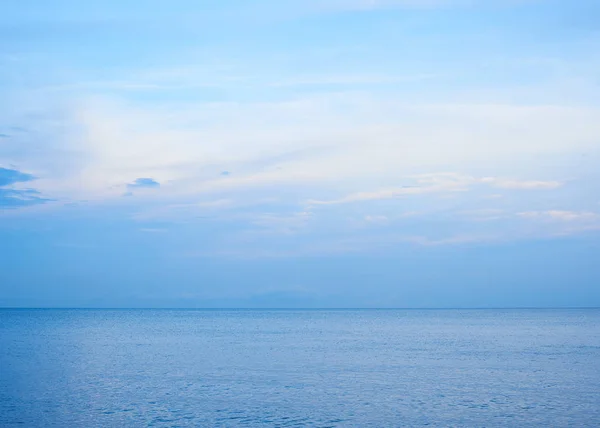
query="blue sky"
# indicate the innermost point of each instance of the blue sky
(317, 153)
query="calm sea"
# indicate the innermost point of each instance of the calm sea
(314, 368)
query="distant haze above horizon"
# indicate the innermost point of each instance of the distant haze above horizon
(300, 154)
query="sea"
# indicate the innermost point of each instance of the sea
(299, 368)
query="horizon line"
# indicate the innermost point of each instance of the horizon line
(297, 308)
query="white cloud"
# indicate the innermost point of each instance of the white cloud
(525, 185)
(183, 211)
(452, 240)
(282, 224)
(558, 215)
(484, 214)
(410, 4)
(562, 222)
(377, 219)
(340, 140)
(439, 183)
(387, 194)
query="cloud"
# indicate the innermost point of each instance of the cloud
(175, 212)
(558, 215)
(561, 222)
(153, 230)
(367, 5)
(438, 183)
(385, 194)
(452, 240)
(10, 198)
(524, 185)
(11, 176)
(484, 214)
(377, 219)
(144, 183)
(17, 198)
(282, 224)
(427, 183)
(189, 145)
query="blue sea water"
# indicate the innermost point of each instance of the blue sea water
(313, 368)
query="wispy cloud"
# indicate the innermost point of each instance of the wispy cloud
(153, 230)
(524, 185)
(282, 223)
(566, 216)
(175, 212)
(11, 198)
(387, 194)
(368, 5)
(484, 214)
(310, 140)
(377, 219)
(440, 183)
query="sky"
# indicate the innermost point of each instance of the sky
(314, 153)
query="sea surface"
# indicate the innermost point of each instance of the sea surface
(300, 368)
